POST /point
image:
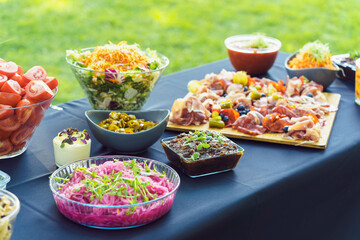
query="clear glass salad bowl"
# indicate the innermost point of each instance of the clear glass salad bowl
(113, 216)
(7, 222)
(115, 90)
(19, 126)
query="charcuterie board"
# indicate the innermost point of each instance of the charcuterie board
(332, 98)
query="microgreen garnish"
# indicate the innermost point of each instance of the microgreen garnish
(200, 141)
(131, 184)
(71, 135)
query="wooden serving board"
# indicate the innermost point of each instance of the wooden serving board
(332, 98)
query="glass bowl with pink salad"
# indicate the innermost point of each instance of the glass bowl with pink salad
(114, 192)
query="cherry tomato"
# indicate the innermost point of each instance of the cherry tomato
(3, 79)
(8, 68)
(20, 71)
(52, 82)
(22, 112)
(35, 73)
(5, 147)
(22, 81)
(4, 134)
(11, 86)
(9, 124)
(21, 134)
(9, 98)
(38, 91)
(5, 113)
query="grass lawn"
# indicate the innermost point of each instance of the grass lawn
(190, 33)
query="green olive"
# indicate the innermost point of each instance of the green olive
(255, 95)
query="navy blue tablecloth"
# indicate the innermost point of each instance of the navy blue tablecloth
(275, 192)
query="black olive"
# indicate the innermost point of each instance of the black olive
(243, 112)
(286, 129)
(225, 119)
(309, 95)
(241, 107)
(221, 115)
(224, 95)
(246, 89)
(263, 95)
(247, 110)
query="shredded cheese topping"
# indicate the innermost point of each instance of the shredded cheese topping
(121, 57)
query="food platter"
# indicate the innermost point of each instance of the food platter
(332, 98)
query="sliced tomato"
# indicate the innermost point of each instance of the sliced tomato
(11, 86)
(19, 146)
(9, 98)
(3, 79)
(21, 134)
(9, 124)
(20, 71)
(5, 147)
(4, 134)
(8, 68)
(52, 82)
(24, 110)
(36, 116)
(22, 81)
(35, 73)
(38, 90)
(5, 111)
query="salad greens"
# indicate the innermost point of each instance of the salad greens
(113, 89)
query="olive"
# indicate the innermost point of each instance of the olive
(286, 129)
(309, 95)
(243, 112)
(225, 119)
(246, 89)
(263, 95)
(221, 115)
(241, 107)
(255, 95)
(224, 95)
(247, 111)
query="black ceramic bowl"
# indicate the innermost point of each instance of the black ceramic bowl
(323, 76)
(128, 142)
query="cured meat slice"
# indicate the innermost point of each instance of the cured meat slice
(250, 124)
(276, 122)
(304, 128)
(188, 111)
(293, 87)
(284, 110)
(235, 88)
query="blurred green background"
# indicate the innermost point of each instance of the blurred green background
(189, 33)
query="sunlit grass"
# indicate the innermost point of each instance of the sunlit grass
(190, 33)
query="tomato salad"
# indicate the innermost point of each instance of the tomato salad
(24, 98)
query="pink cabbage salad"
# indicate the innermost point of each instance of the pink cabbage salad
(115, 183)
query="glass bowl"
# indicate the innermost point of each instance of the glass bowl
(203, 166)
(7, 222)
(113, 216)
(4, 179)
(111, 90)
(255, 61)
(17, 129)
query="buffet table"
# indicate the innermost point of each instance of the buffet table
(275, 192)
